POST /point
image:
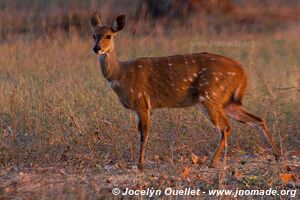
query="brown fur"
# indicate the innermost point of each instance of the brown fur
(214, 82)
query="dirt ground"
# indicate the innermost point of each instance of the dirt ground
(65, 135)
(71, 179)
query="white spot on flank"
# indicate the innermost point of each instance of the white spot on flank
(206, 83)
(183, 88)
(170, 64)
(207, 96)
(193, 61)
(186, 62)
(131, 90)
(139, 95)
(220, 73)
(201, 84)
(222, 87)
(177, 89)
(212, 59)
(140, 66)
(214, 94)
(203, 69)
(185, 80)
(195, 75)
(231, 73)
(217, 79)
(172, 84)
(190, 79)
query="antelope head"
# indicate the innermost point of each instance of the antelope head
(103, 34)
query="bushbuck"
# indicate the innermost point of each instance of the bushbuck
(214, 83)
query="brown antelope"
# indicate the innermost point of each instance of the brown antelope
(215, 83)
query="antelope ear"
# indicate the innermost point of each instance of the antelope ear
(118, 23)
(95, 19)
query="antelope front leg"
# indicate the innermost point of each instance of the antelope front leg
(143, 127)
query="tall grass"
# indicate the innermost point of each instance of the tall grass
(53, 97)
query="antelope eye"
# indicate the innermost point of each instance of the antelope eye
(108, 37)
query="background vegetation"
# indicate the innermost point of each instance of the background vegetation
(63, 132)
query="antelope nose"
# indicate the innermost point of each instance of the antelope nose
(96, 49)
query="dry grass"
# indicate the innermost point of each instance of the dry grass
(62, 127)
(57, 111)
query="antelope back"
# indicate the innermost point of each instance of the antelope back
(182, 80)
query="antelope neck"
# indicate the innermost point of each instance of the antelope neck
(110, 66)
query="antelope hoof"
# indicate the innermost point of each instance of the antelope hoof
(141, 167)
